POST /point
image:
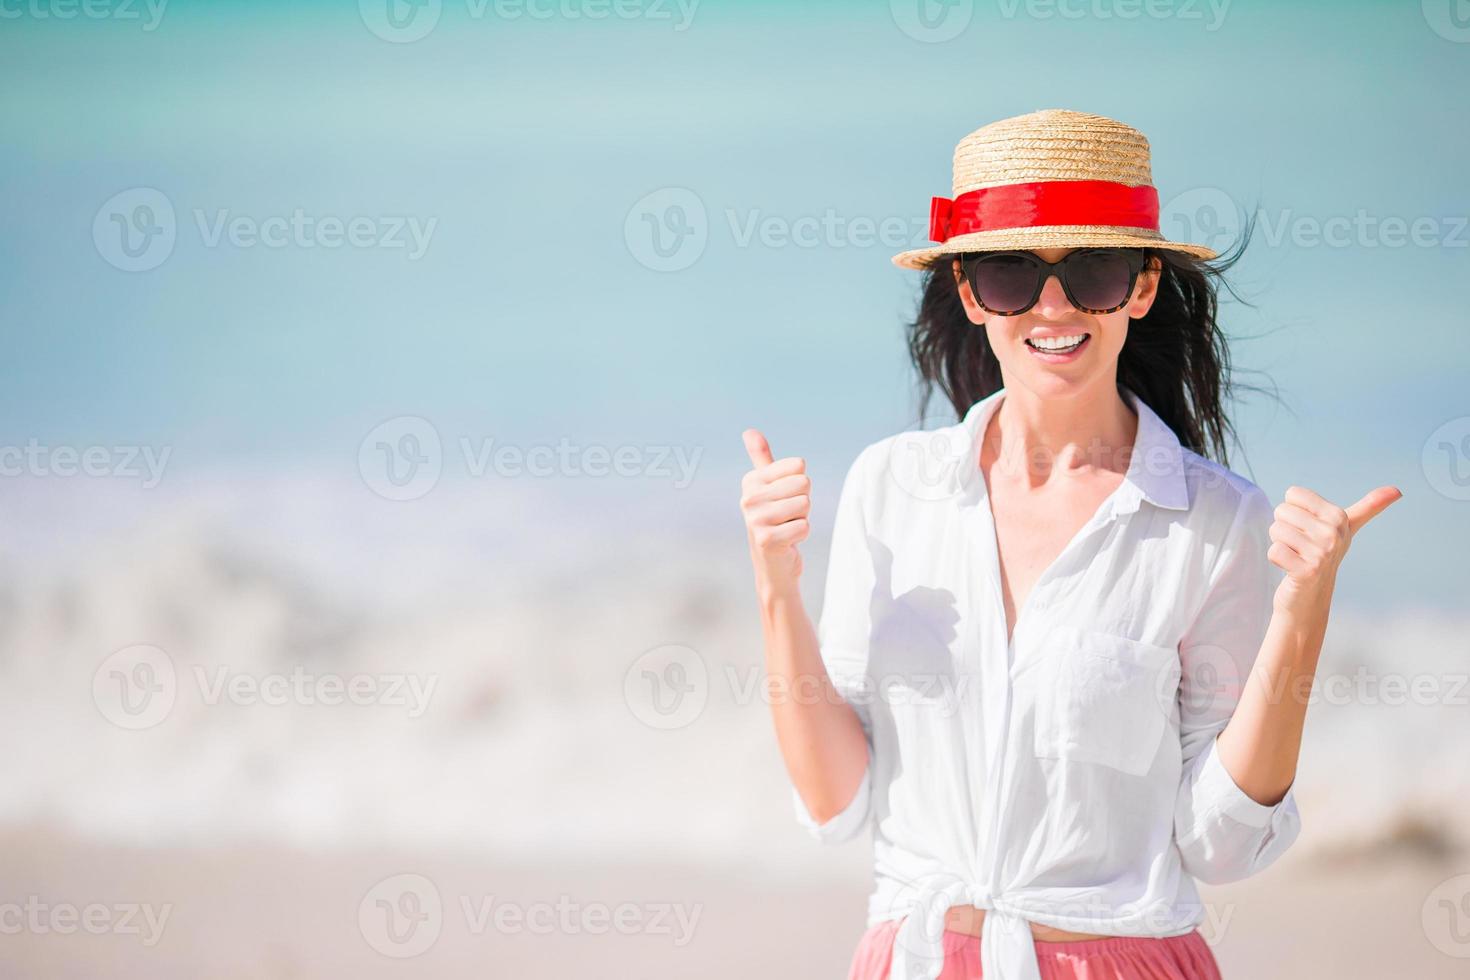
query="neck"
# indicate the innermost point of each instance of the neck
(1039, 437)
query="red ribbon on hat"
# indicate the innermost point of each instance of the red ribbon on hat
(1044, 202)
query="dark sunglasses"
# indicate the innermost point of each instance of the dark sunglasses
(1096, 280)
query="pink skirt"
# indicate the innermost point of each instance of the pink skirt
(1186, 957)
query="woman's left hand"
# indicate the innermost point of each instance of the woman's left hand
(1309, 538)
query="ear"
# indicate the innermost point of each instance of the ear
(1146, 289)
(973, 310)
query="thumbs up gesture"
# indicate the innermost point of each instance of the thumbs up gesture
(1309, 538)
(775, 498)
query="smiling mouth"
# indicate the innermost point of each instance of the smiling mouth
(1067, 349)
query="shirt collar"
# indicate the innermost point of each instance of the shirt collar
(1155, 467)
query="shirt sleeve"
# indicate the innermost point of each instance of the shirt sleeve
(1222, 833)
(843, 631)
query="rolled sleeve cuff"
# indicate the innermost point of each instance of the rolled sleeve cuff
(843, 825)
(1217, 792)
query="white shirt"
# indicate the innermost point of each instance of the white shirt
(1070, 776)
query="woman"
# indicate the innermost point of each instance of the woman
(1060, 678)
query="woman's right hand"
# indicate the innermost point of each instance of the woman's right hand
(775, 498)
(821, 738)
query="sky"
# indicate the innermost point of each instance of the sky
(346, 213)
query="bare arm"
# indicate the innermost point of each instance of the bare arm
(819, 733)
(1260, 745)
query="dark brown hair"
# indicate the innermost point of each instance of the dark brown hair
(1175, 357)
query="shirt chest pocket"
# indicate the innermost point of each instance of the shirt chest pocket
(1102, 699)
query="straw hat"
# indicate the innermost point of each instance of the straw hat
(1046, 179)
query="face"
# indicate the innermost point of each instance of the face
(1015, 338)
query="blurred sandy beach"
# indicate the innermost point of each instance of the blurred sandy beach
(257, 911)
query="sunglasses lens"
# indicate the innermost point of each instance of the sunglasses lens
(1004, 283)
(1098, 280)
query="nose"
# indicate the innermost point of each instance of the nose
(1053, 302)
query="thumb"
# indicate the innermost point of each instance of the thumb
(757, 448)
(1373, 503)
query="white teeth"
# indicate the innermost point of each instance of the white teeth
(1057, 343)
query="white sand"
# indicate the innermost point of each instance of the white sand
(272, 912)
